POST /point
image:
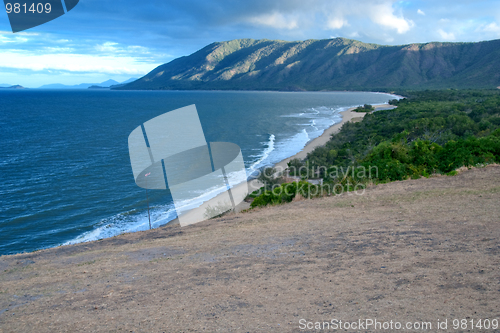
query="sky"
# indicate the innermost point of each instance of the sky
(102, 39)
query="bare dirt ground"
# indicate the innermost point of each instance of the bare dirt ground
(413, 251)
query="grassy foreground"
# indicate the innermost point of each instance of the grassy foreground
(415, 250)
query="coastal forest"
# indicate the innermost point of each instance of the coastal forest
(430, 132)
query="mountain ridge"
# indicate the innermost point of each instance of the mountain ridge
(328, 64)
(105, 84)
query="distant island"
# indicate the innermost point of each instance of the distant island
(330, 64)
(112, 86)
(11, 87)
(105, 84)
(97, 87)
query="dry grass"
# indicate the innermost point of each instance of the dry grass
(417, 250)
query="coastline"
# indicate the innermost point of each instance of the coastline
(264, 266)
(253, 184)
(347, 116)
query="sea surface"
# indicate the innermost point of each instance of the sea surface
(65, 173)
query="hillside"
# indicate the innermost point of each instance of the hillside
(332, 64)
(410, 251)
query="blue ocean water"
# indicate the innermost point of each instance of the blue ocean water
(65, 174)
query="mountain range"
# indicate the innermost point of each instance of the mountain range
(105, 84)
(330, 64)
(6, 85)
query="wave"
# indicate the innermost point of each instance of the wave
(127, 222)
(320, 118)
(263, 156)
(160, 215)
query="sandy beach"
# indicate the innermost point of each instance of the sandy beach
(252, 185)
(347, 116)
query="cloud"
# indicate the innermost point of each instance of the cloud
(140, 34)
(492, 27)
(275, 20)
(79, 63)
(447, 36)
(383, 14)
(106, 47)
(8, 37)
(336, 23)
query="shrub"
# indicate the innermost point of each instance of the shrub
(365, 108)
(285, 193)
(469, 152)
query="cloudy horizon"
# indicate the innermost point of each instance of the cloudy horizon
(99, 40)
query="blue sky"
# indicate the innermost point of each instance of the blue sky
(103, 39)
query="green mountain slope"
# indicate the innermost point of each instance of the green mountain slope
(332, 64)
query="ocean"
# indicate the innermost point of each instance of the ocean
(65, 173)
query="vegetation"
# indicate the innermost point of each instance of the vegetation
(329, 64)
(269, 177)
(286, 193)
(365, 108)
(429, 132)
(218, 210)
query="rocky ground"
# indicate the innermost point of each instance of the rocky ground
(416, 251)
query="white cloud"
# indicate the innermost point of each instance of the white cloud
(383, 14)
(18, 39)
(336, 23)
(492, 27)
(79, 63)
(106, 47)
(446, 35)
(22, 33)
(421, 12)
(56, 49)
(275, 20)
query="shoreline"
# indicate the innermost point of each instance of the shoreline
(253, 184)
(347, 116)
(265, 266)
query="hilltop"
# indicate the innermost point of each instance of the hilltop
(427, 244)
(331, 64)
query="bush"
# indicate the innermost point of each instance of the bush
(469, 152)
(268, 176)
(365, 108)
(285, 193)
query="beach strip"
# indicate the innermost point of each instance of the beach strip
(254, 184)
(321, 140)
